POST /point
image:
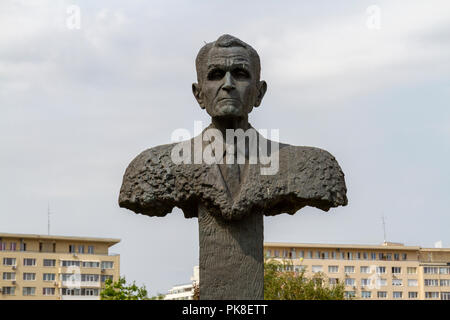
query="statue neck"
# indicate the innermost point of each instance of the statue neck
(222, 124)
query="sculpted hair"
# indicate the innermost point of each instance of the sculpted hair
(225, 41)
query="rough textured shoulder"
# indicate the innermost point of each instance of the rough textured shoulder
(318, 177)
(152, 185)
(307, 177)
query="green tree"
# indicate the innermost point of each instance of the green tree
(119, 290)
(282, 283)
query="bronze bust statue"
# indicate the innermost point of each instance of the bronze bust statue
(231, 198)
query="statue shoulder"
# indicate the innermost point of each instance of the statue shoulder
(148, 184)
(316, 175)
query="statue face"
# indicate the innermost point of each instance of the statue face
(229, 87)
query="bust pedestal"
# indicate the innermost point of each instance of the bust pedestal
(231, 257)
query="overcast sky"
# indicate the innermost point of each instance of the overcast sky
(77, 105)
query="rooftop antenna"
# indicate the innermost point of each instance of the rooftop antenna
(384, 228)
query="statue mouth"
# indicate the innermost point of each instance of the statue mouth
(227, 99)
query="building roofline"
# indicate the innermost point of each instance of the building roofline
(389, 246)
(110, 241)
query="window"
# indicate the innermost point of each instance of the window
(445, 283)
(29, 291)
(381, 282)
(349, 269)
(317, 254)
(299, 268)
(71, 248)
(10, 291)
(301, 254)
(342, 255)
(431, 282)
(365, 269)
(431, 295)
(412, 283)
(2, 246)
(365, 256)
(411, 270)
(333, 269)
(445, 295)
(316, 269)
(49, 277)
(80, 249)
(397, 294)
(365, 282)
(9, 261)
(389, 256)
(373, 256)
(13, 246)
(349, 256)
(430, 270)
(70, 292)
(9, 276)
(350, 282)
(397, 282)
(412, 295)
(70, 263)
(396, 256)
(382, 294)
(333, 281)
(71, 277)
(381, 270)
(48, 291)
(106, 276)
(396, 270)
(29, 262)
(23, 246)
(91, 264)
(109, 265)
(49, 262)
(293, 254)
(91, 249)
(358, 256)
(89, 277)
(333, 255)
(366, 294)
(404, 256)
(349, 294)
(444, 270)
(309, 254)
(89, 292)
(381, 256)
(29, 276)
(325, 255)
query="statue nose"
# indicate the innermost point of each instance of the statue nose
(228, 84)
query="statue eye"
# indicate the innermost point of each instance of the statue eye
(240, 73)
(216, 74)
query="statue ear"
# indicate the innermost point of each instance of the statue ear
(262, 88)
(198, 94)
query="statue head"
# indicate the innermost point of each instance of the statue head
(228, 75)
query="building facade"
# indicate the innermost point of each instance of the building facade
(388, 271)
(55, 267)
(184, 291)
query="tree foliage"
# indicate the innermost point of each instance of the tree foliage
(289, 285)
(119, 290)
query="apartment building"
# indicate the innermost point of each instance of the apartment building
(387, 271)
(55, 267)
(184, 291)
